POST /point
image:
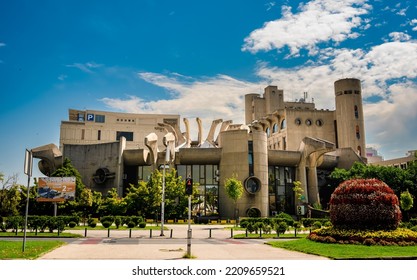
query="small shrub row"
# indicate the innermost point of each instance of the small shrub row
(42, 223)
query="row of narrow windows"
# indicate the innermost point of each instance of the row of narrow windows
(126, 134)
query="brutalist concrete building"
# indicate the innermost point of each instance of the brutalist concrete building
(281, 142)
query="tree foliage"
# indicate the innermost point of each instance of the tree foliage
(234, 188)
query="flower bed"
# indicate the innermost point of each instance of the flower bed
(399, 236)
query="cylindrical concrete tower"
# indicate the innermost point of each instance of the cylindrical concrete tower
(244, 156)
(250, 107)
(349, 115)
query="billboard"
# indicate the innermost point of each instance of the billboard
(56, 189)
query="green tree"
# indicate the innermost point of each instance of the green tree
(234, 190)
(10, 200)
(85, 202)
(145, 198)
(112, 204)
(406, 201)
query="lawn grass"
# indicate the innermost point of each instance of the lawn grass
(346, 251)
(39, 234)
(33, 249)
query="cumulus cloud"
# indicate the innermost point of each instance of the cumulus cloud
(208, 98)
(317, 21)
(399, 36)
(390, 122)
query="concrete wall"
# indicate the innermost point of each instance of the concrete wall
(88, 158)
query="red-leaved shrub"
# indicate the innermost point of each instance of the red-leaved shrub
(364, 204)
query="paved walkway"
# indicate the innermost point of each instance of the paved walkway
(141, 245)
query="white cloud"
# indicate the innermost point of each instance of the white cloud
(318, 21)
(399, 36)
(207, 98)
(413, 22)
(85, 67)
(2, 44)
(391, 123)
(62, 77)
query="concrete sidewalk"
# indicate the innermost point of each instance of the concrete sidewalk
(142, 247)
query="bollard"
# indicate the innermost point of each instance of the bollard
(246, 232)
(170, 235)
(231, 233)
(130, 233)
(108, 232)
(150, 233)
(260, 233)
(85, 232)
(209, 232)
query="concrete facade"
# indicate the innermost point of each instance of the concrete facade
(281, 142)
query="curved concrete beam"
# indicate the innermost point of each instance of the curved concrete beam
(169, 143)
(187, 133)
(200, 131)
(151, 141)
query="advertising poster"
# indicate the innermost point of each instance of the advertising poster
(56, 189)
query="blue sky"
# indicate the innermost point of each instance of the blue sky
(198, 59)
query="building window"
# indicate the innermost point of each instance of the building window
(100, 118)
(99, 135)
(126, 134)
(208, 189)
(298, 121)
(308, 122)
(283, 124)
(268, 131)
(275, 128)
(250, 158)
(81, 117)
(319, 122)
(358, 135)
(356, 112)
(252, 185)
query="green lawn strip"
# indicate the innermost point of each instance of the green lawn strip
(346, 251)
(33, 249)
(40, 234)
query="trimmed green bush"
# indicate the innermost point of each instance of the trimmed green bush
(72, 224)
(285, 217)
(131, 224)
(142, 224)
(281, 228)
(106, 224)
(92, 222)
